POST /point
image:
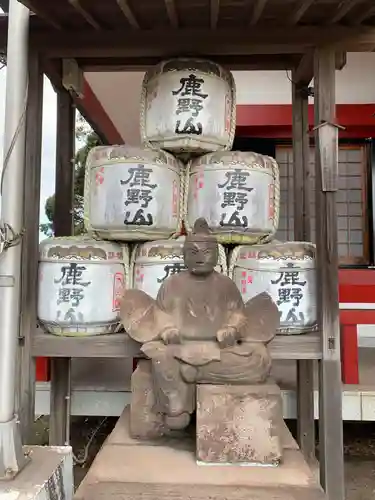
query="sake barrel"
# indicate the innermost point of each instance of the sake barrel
(132, 193)
(238, 193)
(81, 283)
(286, 271)
(154, 262)
(188, 106)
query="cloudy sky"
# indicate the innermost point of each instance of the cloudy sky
(49, 138)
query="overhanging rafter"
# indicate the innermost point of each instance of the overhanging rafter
(172, 12)
(364, 15)
(76, 4)
(128, 13)
(214, 13)
(259, 7)
(300, 10)
(344, 8)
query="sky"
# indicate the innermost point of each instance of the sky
(49, 138)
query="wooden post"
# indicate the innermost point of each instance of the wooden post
(63, 226)
(330, 389)
(302, 232)
(30, 247)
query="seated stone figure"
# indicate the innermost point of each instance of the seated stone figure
(199, 331)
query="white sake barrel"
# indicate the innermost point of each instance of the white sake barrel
(155, 261)
(286, 271)
(132, 193)
(238, 193)
(81, 283)
(188, 106)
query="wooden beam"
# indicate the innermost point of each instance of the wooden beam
(60, 402)
(343, 8)
(53, 71)
(85, 14)
(63, 226)
(365, 14)
(118, 345)
(214, 13)
(172, 12)
(128, 13)
(166, 43)
(42, 13)
(304, 72)
(300, 10)
(301, 163)
(330, 388)
(302, 232)
(259, 7)
(30, 246)
(280, 62)
(340, 60)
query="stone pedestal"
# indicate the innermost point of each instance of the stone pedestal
(239, 424)
(128, 469)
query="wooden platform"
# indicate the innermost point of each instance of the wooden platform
(100, 387)
(127, 468)
(119, 345)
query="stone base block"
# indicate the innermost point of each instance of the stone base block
(129, 469)
(48, 475)
(239, 424)
(145, 423)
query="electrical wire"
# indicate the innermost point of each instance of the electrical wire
(14, 138)
(82, 461)
(287, 75)
(8, 236)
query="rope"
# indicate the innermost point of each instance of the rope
(232, 131)
(185, 199)
(133, 257)
(233, 260)
(223, 260)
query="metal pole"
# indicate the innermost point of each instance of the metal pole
(12, 209)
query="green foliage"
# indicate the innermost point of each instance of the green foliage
(90, 139)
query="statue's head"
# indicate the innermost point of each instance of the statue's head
(201, 249)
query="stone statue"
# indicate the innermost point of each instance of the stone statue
(199, 331)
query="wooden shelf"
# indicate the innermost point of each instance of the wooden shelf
(306, 346)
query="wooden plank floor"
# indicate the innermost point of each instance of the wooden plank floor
(307, 346)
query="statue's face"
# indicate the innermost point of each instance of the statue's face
(200, 257)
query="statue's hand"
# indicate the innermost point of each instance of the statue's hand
(171, 336)
(227, 337)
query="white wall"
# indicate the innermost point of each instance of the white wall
(355, 83)
(119, 93)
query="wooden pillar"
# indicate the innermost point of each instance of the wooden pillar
(302, 232)
(326, 174)
(63, 226)
(30, 247)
